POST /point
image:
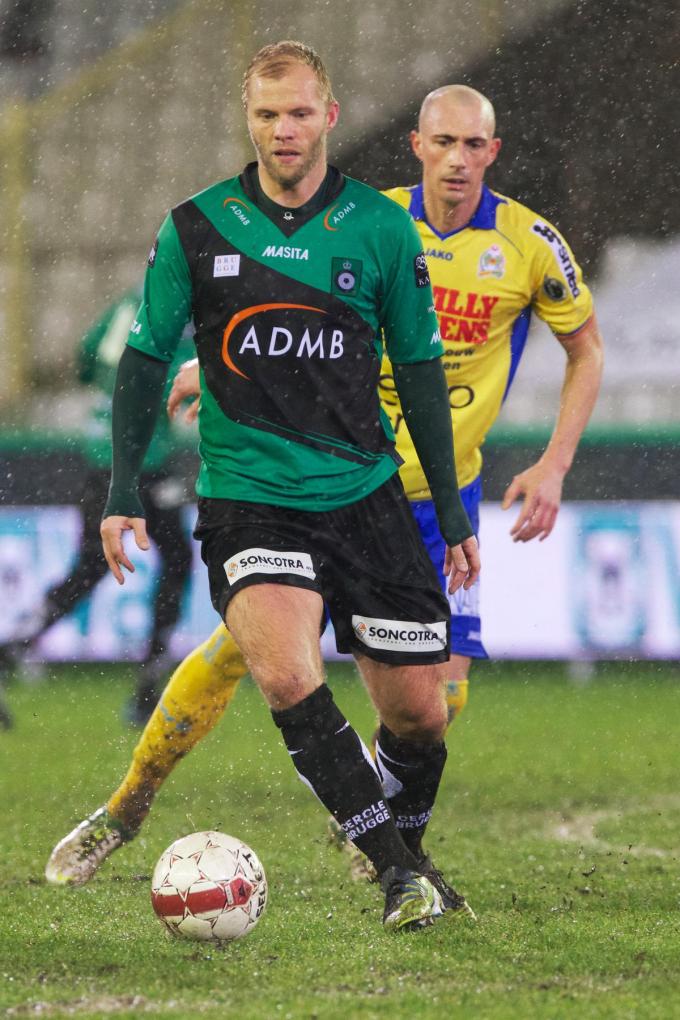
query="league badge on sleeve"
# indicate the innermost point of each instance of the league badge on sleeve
(554, 289)
(421, 270)
(152, 255)
(491, 262)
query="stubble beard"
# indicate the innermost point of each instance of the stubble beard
(287, 180)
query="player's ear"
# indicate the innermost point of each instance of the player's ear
(332, 115)
(494, 149)
(416, 145)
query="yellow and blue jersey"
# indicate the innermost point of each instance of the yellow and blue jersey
(487, 279)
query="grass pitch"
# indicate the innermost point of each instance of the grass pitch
(559, 818)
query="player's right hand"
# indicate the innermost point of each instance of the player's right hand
(185, 384)
(111, 530)
(462, 564)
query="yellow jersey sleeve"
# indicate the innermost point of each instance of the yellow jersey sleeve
(561, 298)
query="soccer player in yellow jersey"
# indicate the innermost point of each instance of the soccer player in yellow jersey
(492, 262)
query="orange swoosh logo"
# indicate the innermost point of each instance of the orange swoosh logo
(245, 313)
(325, 219)
(233, 198)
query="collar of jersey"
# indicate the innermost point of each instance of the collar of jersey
(331, 186)
(483, 218)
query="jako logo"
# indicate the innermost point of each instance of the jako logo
(437, 253)
(275, 341)
(336, 215)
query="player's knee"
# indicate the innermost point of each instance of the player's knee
(285, 689)
(456, 698)
(425, 723)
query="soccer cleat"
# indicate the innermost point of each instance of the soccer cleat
(77, 856)
(411, 901)
(453, 903)
(360, 868)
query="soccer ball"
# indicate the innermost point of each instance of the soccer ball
(209, 886)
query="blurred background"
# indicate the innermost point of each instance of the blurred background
(111, 113)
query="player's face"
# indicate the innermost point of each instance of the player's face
(455, 146)
(288, 121)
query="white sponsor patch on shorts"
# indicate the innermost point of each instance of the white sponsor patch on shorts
(268, 561)
(400, 635)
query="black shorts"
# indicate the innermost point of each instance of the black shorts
(366, 560)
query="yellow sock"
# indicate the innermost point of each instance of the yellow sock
(456, 697)
(192, 703)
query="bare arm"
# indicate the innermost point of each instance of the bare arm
(541, 484)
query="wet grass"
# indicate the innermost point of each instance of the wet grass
(559, 818)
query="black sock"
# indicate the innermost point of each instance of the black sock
(331, 759)
(410, 773)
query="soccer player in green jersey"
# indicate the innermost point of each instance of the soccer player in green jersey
(492, 262)
(294, 274)
(163, 496)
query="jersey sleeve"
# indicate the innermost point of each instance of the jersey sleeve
(407, 314)
(166, 303)
(560, 298)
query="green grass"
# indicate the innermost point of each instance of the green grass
(559, 818)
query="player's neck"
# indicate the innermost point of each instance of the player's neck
(445, 217)
(300, 193)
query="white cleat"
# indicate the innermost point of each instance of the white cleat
(77, 856)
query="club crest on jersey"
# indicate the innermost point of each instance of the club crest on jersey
(491, 262)
(227, 265)
(346, 276)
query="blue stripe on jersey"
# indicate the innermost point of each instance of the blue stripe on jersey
(518, 339)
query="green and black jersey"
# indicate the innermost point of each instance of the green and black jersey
(290, 308)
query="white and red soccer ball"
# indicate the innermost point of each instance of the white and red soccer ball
(209, 886)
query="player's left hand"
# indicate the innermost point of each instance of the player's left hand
(185, 384)
(112, 530)
(462, 564)
(541, 486)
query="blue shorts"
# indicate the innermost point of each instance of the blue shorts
(466, 635)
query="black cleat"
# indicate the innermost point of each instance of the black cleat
(452, 902)
(411, 901)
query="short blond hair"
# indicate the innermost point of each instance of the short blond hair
(274, 60)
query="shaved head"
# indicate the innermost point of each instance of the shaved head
(449, 96)
(455, 143)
